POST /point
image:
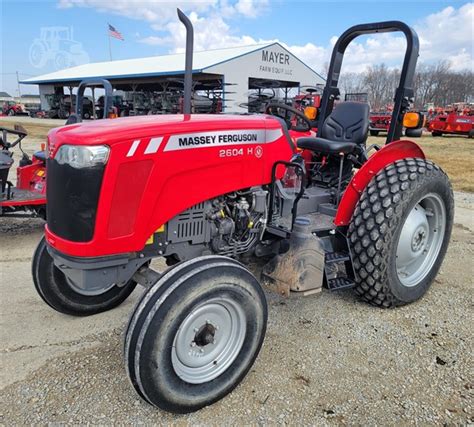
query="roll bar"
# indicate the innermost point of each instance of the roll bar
(83, 85)
(403, 94)
(188, 66)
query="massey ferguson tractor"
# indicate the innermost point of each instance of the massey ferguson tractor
(208, 193)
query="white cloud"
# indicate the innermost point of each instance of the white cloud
(448, 35)
(251, 8)
(444, 35)
(210, 32)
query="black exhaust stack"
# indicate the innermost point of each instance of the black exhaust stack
(188, 67)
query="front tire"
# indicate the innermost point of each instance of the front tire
(59, 293)
(195, 334)
(400, 231)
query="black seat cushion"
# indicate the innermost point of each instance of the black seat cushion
(349, 121)
(326, 146)
(40, 155)
(343, 130)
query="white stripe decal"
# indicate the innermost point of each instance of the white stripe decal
(273, 134)
(222, 138)
(153, 145)
(133, 148)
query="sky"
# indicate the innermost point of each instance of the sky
(308, 28)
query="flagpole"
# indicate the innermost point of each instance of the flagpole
(110, 45)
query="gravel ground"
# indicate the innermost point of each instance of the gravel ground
(327, 359)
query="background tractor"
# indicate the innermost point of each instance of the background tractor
(12, 108)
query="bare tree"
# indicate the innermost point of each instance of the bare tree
(434, 83)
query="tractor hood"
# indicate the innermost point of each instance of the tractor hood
(117, 130)
(157, 167)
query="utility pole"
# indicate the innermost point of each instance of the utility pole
(18, 83)
(110, 46)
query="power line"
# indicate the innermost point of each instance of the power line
(15, 73)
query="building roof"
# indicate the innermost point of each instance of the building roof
(5, 95)
(147, 67)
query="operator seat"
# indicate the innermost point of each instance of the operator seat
(343, 131)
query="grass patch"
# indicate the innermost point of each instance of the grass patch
(35, 130)
(455, 154)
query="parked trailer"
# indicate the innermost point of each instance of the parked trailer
(452, 124)
(379, 122)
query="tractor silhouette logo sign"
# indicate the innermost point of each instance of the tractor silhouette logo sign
(56, 46)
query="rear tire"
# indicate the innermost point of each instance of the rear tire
(471, 134)
(54, 288)
(180, 362)
(400, 231)
(374, 133)
(414, 133)
(436, 133)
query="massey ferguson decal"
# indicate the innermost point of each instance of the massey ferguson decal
(222, 138)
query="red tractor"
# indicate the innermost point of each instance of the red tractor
(12, 108)
(210, 192)
(29, 194)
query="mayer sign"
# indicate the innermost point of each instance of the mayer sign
(271, 61)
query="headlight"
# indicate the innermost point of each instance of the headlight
(80, 156)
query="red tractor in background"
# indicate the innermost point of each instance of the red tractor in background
(457, 120)
(12, 108)
(208, 193)
(29, 194)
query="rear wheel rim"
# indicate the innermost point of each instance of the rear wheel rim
(420, 240)
(208, 340)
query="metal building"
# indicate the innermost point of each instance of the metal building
(236, 70)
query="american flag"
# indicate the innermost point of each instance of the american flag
(114, 33)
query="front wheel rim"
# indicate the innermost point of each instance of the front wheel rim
(421, 239)
(208, 340)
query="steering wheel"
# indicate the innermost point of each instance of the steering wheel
(273, 107)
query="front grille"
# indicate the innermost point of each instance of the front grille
(72, 198)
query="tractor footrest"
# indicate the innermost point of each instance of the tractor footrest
(333, 257)
(339, 283)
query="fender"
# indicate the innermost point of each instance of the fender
(390, 153)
